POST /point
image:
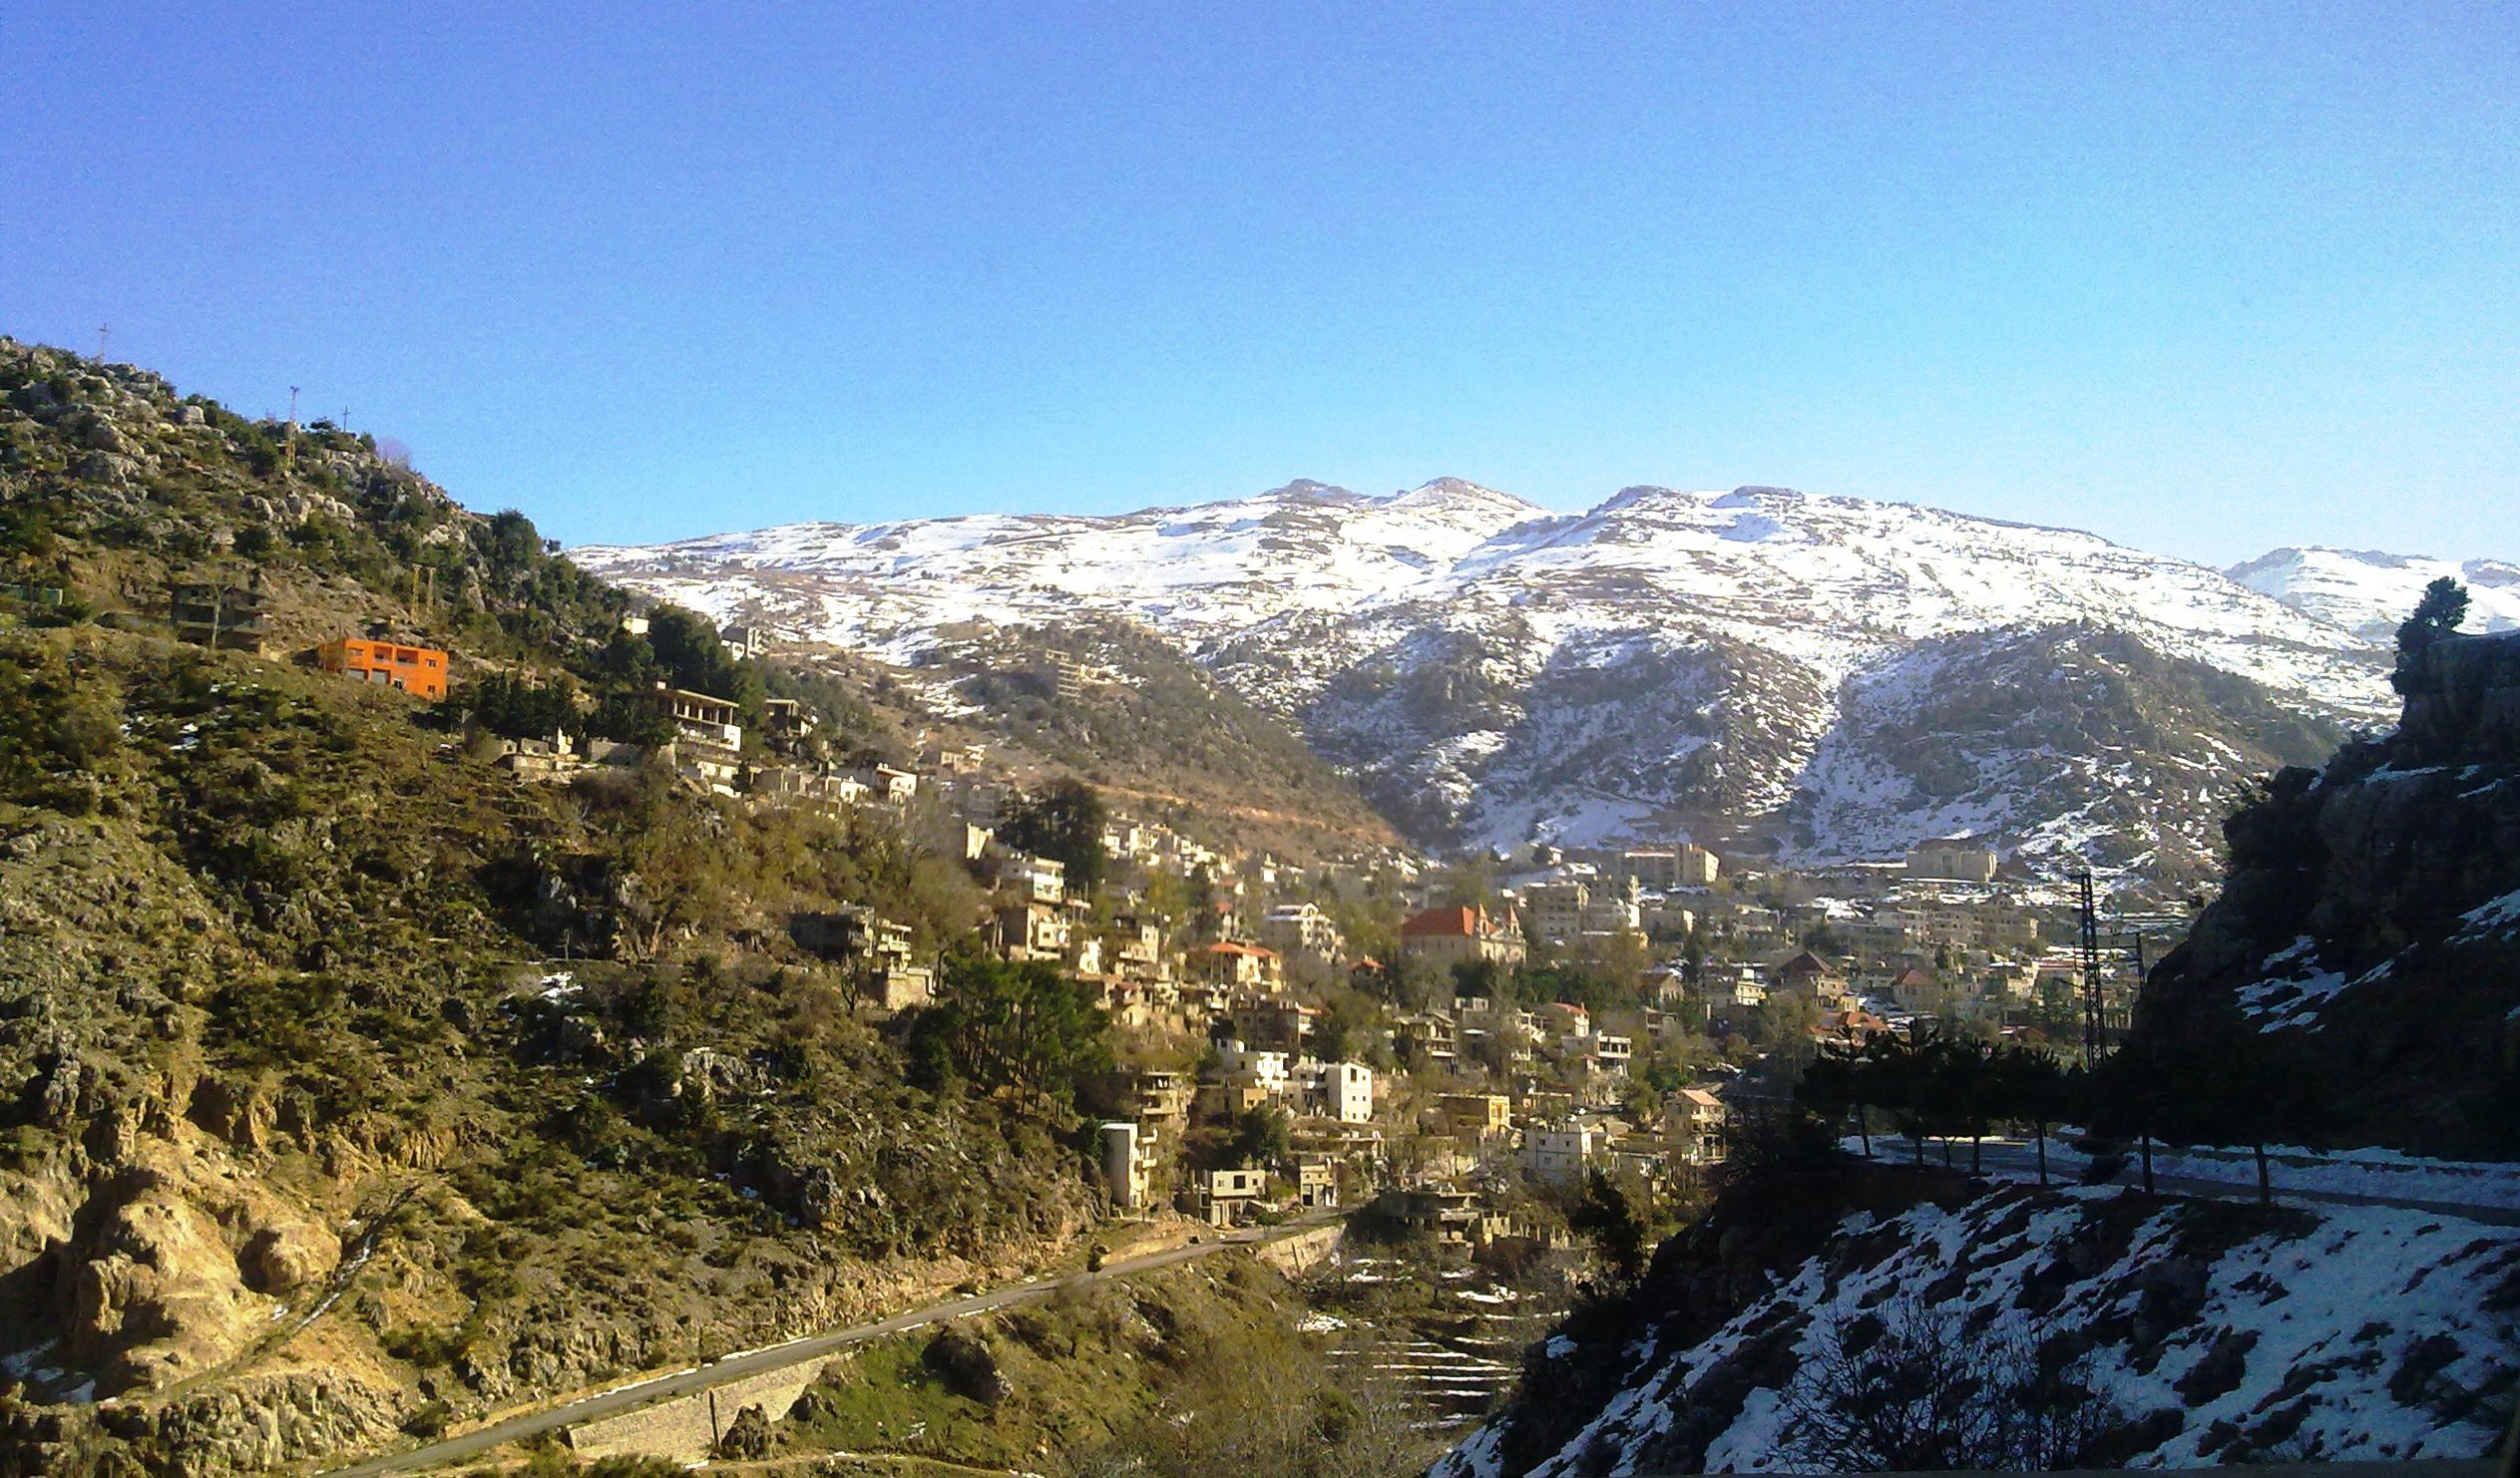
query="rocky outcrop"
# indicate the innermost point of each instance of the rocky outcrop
(2372, 907)
(258, 1424)
(156, 1261)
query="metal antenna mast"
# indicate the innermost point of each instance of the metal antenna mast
(102, 330)
(2092, 1020)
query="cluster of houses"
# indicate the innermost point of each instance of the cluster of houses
(1869, 945)
(1473, 1086)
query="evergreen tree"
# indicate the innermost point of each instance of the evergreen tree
(1963, 1089)
(2031, 1087)
(1836, 1085)
(2238, 1085)
(1608, 1216)
(1262, 1137)
(2126, 1096)
(1012, 1026)
(1064, 824)
(2437, 614)
(515, 708)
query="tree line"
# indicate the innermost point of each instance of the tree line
(2218, 1080)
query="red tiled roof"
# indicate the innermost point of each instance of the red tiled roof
(1454, 923)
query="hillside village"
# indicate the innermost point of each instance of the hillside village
(1294, 1035)
(1300, 1035)
(591, 988)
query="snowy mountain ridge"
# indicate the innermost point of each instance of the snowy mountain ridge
(1667, 663)
(2368, 593)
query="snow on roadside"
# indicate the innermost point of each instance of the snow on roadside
(2364, 1172)
(2488, 1184)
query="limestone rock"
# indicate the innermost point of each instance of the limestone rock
(290, 1259)
(106, 466)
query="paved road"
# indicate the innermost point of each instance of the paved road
(814, 1346)
(2020, 1162)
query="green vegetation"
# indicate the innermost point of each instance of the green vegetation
(1159, 736)
(1192, 1372)
(1063, 822)
(1004, 1024)
(2436, 615)
(284, 954)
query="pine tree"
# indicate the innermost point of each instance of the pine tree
(1064, 824)
(2030, 1086)
(2437, 614)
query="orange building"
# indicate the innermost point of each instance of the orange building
(415, 669)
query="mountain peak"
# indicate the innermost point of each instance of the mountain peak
(1307, 490)
(1448, 489)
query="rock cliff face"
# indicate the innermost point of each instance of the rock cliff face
(2373, 907)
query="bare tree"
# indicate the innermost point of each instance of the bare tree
(1908, 1386)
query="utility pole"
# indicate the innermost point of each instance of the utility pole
(2093, 1022)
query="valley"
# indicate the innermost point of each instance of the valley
(1265, 985)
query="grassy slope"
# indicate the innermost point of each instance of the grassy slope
(1193, 1370)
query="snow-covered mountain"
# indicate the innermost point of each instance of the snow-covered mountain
(1757, 663)
(2368, 593)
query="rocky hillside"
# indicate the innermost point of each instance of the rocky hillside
(1746, 665)
(1856, 1323)
(305, 1139)
(2372, 912)
(1157, 734)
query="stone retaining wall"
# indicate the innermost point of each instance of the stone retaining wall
(687, 1429)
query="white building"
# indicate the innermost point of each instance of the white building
(1560, 1153)
(1341, 1090)
(1960, 858)
(1239, 1067)
(1302, 932)
(1125, 1165)
(1687, 866)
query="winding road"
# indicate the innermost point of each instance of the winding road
(612, 1403)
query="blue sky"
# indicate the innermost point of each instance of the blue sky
(2204, 278)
